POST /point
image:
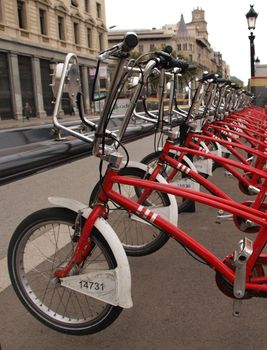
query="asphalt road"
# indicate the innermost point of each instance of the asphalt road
(176, 302)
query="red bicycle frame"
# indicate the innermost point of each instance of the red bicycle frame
(230, 165)
(261, 157)
(107, 193)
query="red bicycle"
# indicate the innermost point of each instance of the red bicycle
(171, 159)
(68, 267)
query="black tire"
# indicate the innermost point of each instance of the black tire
(184, 205)
(49, 246)
(137, 237)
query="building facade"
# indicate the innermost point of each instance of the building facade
(188, 40)
(258, 85)
(34, 35)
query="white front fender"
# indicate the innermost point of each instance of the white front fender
(204, 165)
(218, 151)
(121, 288)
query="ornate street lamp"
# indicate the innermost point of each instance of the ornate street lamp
(251, 18)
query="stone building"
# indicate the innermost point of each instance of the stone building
(37, 33)
(188, 40)
(258, 85)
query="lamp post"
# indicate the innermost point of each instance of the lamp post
(251, 18)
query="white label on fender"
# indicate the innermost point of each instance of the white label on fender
(204, 166)
(99, 284)
(187, 184)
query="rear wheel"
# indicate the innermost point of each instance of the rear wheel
(44, 243)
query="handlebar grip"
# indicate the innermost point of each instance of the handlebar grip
(222, 81)
(129, 42)
(180, 64)
(207, 76)
(168, 49)
(235, 86)
(122, 49)
(168, 62)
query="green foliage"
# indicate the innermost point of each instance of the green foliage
(135, 54)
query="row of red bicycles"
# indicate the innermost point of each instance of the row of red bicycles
(68, 263)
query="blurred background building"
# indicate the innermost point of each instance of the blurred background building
(258, 84)
(34, 34)
(188, 40)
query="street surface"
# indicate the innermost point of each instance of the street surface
(177, 304)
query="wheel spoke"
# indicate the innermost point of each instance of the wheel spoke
(45, 247)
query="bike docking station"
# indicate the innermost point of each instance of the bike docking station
(83, 279)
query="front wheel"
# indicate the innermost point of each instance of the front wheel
(137, 236)
(44, 243)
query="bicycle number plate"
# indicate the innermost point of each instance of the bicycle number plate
(100, 285)
(187, 184)
(204, 166)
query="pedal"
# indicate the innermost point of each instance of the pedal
(241, 256)
(250, 159)
(253, 189)
(228, 174)
(247, 224)
(221, 217)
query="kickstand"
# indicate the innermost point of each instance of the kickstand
(236, 307)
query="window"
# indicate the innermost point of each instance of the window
(98, 10)
(5, 88)
(179, 47)
(103, 83)
(190, 47)
(100, 39)
(190, 58)
(61, 29)
(21, 13)
(76, 33)
(89, 37)
(43, 25)
(26, 81)
(86, 5)
(184, 47)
